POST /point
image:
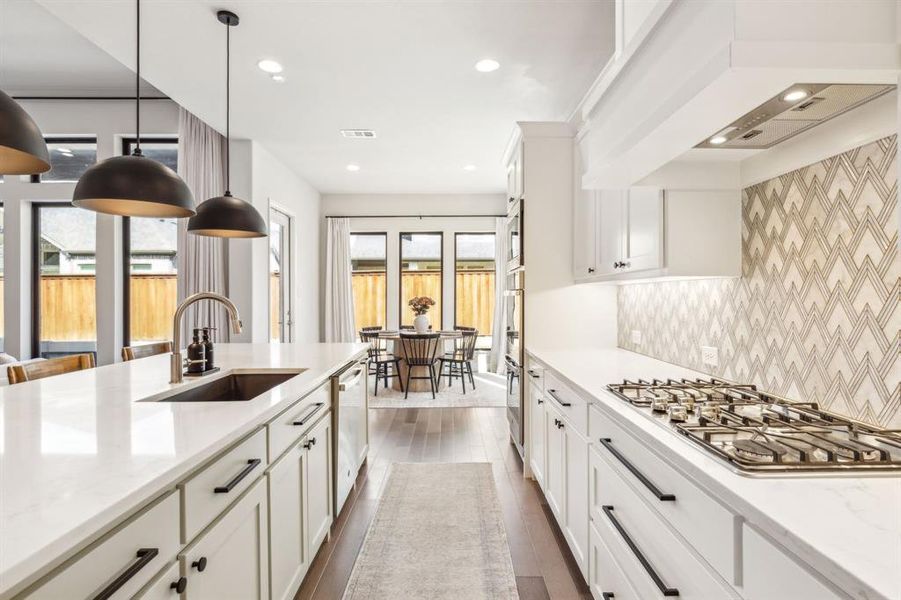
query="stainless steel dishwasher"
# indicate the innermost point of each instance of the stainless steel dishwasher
(350, 402)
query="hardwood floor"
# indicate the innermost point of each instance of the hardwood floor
(542, 563)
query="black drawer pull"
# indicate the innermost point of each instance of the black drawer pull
(607, 595)
(179, 586)
(252, 464)
(553, 394)
(666, 591)
(608, 444)
(142, 557)
(534, 374)
(313, 410)
(540, 401)
(199, 564)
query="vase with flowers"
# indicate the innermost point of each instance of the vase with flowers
(420, 306)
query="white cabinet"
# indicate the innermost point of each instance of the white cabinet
(230, 559)
(515, 174)
(537, 446)
(289, 556)
(318, 492)
(644, 232)
(123, 561)
(352, 438)
(585, 223)
(605, 577)
(771, 574)
(168, 585)
(554, 477)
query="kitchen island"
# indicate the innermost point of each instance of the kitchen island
(788, 536)
(83, 454)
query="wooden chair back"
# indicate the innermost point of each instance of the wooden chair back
(376, 345)
(47, 368)
(145, 350)
(420, 350)
(467, 344)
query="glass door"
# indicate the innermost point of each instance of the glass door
(279, 276)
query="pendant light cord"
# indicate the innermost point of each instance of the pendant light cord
(137, 150)
(227, 110)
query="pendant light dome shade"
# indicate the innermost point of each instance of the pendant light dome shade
(23, 150)
(227, 216)
(134, 186)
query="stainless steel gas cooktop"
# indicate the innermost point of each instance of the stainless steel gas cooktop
(761, 433)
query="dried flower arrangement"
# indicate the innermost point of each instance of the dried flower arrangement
(420, 304)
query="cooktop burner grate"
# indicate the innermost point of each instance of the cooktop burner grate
(760, 432)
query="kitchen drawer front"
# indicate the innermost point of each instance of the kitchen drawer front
(123, 561)
(287, 428)
(771, 574)
(634, 533)
(535, 373)
(165, 586)
(572, 406)
(605, 577)
(210, 491)
(708, 525)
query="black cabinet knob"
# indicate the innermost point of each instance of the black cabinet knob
(199, 564)
(181, 585)
(591, 269)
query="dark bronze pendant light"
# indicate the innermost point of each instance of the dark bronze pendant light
(226, 216)
(23, 150)
(134, 186)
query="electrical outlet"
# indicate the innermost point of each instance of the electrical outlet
(636, 336)
(710, 356)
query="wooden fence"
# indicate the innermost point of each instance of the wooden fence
(153, 303)
(474, 304)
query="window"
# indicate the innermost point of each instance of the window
(474, 283)
(64, 294)
(279, 276)
(369, 265)
(70, 157)
(420, 274)
(150, 245)
(164, 150)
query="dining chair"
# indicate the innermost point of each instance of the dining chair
(380, 360)
(46, 368)
(145, 350)
(421, 351)
(459, 362)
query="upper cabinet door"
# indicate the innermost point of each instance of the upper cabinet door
(611, 211)
(515, 176)
(643, 248)
(585, 234)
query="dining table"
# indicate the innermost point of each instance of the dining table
(416, 385)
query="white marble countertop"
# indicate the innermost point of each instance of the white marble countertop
(848, 528)
(80, 451)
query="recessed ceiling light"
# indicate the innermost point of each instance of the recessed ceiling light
(353, 168)
(278, 78)
(270, 66)
(487, 65)
(718, 139)
(469, 168)
(795, 95)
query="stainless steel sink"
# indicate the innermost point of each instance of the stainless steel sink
(233, 387)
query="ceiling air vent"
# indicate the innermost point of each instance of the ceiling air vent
(796, 109)
(358, 133)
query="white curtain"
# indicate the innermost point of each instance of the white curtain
(339, 293)
(202, 261)
(496, 361)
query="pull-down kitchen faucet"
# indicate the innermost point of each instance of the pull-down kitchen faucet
(175, 371)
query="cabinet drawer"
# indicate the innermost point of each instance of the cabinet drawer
(704, 522)
(656, 561)
(210, 491)
(165, 586)
(605, 577)
(572, 406)
(287, 428)
(535, 374)
(771, 574)
(121, 562)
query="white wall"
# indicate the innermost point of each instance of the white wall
(451, 206)
(110, 121)
(279, 187)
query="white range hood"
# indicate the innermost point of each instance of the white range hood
(702, 65)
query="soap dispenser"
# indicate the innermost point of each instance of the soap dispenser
(196, 354)
(208, 348)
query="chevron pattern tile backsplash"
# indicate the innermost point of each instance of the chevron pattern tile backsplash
(815, 315)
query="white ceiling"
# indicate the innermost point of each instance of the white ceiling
(404, 69)
(42, 56)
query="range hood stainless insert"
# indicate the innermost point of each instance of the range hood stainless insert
(796, 109)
